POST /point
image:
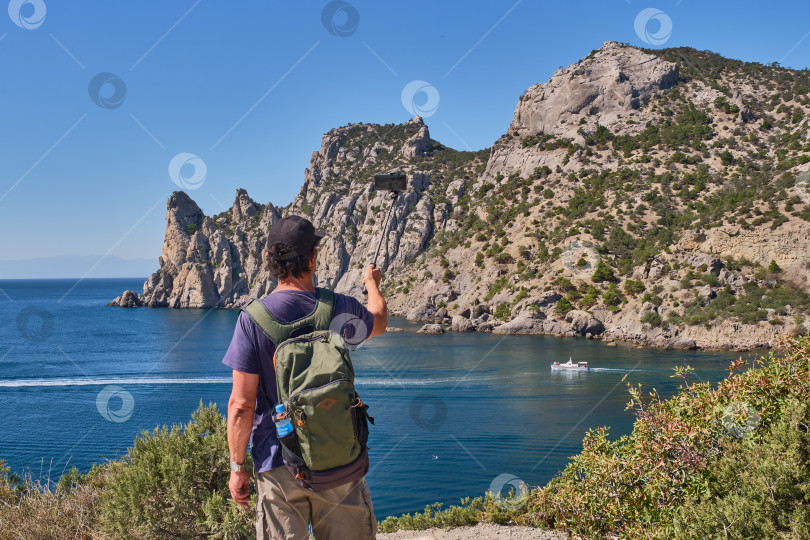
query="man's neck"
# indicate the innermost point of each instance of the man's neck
(303, 283)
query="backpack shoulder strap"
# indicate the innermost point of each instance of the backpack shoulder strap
(321, 318)
(266, 322)
(278, 332)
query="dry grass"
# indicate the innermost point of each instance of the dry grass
(31, 509)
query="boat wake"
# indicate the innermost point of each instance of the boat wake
(403, 382)
(460, 380)
(620, 370)
(28, 383)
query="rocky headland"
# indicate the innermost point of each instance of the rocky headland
(658, 197)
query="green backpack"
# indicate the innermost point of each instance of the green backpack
(315, 382)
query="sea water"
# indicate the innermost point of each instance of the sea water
(453, 413)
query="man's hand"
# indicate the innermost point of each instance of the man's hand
(373, 275)
(240, 487)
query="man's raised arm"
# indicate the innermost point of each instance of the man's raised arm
(376, 303)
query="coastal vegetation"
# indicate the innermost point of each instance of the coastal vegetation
(730, 460)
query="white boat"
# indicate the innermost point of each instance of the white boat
(576, 366)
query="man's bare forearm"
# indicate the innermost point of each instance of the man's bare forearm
(240, 425)
(378, 308)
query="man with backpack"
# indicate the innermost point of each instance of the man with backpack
(291, 348)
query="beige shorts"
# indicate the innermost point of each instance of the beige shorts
(284, 510)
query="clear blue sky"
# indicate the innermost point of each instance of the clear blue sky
(80, 179)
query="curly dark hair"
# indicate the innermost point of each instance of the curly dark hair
(283, 261)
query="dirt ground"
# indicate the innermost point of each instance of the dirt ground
(482, 530)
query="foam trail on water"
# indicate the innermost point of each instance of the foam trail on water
(360, 381)
(619, 370)
(26, 383)
(436, 381)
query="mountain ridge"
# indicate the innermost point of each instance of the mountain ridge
(637, 195)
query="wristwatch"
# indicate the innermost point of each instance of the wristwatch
(237, 467)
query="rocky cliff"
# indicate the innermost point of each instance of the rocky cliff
(656, 196)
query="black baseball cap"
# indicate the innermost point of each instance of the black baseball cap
(296, 232)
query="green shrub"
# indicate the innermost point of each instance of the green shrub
(496, 287)
(652, 318)
(589, 299)
(759, 490)
(469, 513)
(503, 257)
(503, 311)
(633, 287)
(613, 297)
(174, 482)
(602, 273)
(564, 284)
(653, 298)
(563, 306)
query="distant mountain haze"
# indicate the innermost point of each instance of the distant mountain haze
(76, 266)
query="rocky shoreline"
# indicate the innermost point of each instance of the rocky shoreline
(574, 324)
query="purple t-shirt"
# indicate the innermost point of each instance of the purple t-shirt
(251, 351)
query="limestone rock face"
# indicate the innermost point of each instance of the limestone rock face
(787, 245)
(128, 299)
(612, 81)
(684, 343)
(431, 329)
(210, 262)
(745, 115)
(424, 312)
(583, 323)
(461, 324)
(418, 144)
(520, 325)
